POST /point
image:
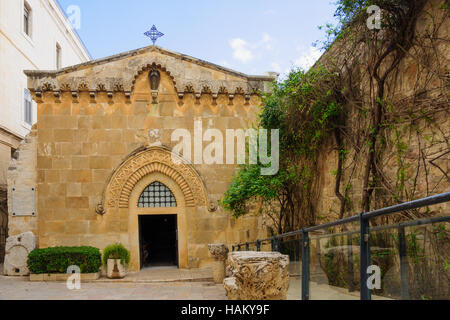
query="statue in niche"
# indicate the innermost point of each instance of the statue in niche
(154, 78)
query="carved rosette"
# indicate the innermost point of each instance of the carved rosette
(154, 160)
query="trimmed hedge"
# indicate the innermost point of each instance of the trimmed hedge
(58, 259)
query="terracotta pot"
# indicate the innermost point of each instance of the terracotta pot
(115, 269)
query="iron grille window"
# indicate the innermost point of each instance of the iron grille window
(28, 108)
(157, 195)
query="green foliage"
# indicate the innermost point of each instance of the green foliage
(58, 259)
(116, 251)
(305, 108)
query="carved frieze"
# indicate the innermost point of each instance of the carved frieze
(119, 74)
(154, 160)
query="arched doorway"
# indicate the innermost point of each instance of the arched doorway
(158, 233)
(128, 195)
(160, 225)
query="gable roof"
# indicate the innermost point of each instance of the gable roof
(121, 70)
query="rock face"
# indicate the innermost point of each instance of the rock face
(17, 250)
(257, 276)
(220, 253)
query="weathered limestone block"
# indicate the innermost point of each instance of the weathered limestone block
(220, 253)
(257, 276)
(17, 250)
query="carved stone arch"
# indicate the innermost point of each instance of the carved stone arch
(149, 66)
(143, 163)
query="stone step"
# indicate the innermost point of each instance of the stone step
(168, 280)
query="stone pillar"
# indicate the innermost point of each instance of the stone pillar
(257, 276)
(220, 253)
(17, 250)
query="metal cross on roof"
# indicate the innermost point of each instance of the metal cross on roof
(154, 34)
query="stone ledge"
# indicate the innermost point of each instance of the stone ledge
(55, 277)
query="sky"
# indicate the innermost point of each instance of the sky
(250, 36)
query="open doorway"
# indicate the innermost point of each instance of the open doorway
(158, 240)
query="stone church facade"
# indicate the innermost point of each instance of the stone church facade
(102, 147)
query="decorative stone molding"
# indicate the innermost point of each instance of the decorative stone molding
(155, 159)
(201, 80)
(213, 206)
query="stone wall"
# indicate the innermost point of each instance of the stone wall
(22, 174)
(416, 85)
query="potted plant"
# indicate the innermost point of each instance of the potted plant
(116, 259)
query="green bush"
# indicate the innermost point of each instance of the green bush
(116, 251)
(58, 259)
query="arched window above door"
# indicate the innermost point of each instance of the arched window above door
(157, 195)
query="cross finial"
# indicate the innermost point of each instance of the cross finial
(154, 34)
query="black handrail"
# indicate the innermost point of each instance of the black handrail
(441, 198)
(365, 229)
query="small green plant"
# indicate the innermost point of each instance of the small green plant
(116, 251)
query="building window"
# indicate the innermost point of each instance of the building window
(28, 108)
(58, 56)
(27, 19)
(157, 195)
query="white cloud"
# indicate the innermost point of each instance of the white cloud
(241, 50)
(266, 41)
(308, 58)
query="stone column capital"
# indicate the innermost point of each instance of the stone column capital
(218, 251)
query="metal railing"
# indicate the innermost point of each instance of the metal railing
(365, 229)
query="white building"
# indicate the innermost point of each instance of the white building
(34, 35)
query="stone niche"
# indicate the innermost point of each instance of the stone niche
(17, 250)
(257, 276)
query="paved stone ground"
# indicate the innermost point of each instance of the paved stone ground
(323, 292)
(150, 284)
(22, 289)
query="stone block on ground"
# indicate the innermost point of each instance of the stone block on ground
(17, 250)
(257, 276)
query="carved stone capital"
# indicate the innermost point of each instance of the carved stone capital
(218, 251)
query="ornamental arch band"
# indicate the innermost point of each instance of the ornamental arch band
(103, 137)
